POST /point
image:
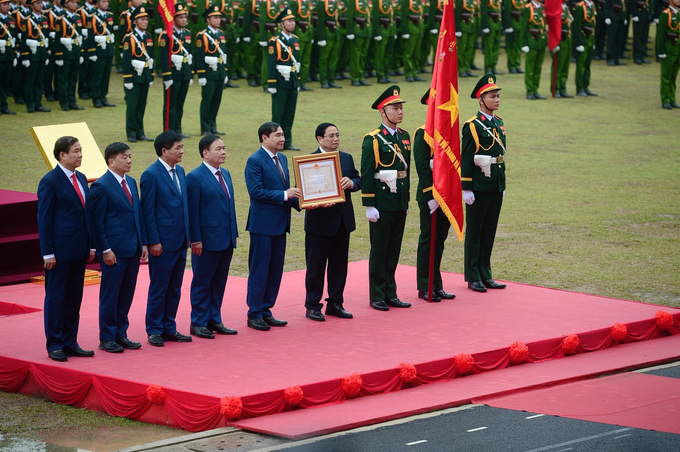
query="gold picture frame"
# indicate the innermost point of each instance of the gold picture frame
(318, 177)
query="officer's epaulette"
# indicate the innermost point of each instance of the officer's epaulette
(471, 119)
(372, 134)
(295, 36)
(273, 38)
(498, 117)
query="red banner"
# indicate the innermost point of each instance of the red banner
(553, 13)
(166, 9)
(442, 126)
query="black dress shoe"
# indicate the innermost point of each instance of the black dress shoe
(57, 355)
(474, 67)
(176, 337)
(230, 85)
(336, 310)
(519, 71)
(398, 72)
(491, 284)
(271, 321)
(389, 80)
(156, 340)
(7, 111)
(42, 109)
(476, 286)
(637, 61)
(397, 303)
(419, 79)
(531, 97)
(471, 74)
(219, 328)
(98, 105)
(383, 81)
(65, 108)
(86, 96)
(335, 85)
(30, 110)
(379, 305)
(201, 331)
(512, 71)
(365, 83)
(644, 61)
(582, 93)
(50, 98)
(444, 295)
(216, 132)
(79, 352)
(315, 314)
(132, 139)
(589, 92)
(423, 295)
(410, 79)
(667, 106)
(462, 74)
(611, 63)
(675, 105)
(258, 324)
(144, 138)
(75, 107)
(325, 86)
(304, 88)
(253, 84)
(495, 72)
(356, 84)
(110, 346)
(565, 95)
(106, 103)
(127, 344)
(291, 148)
(557, 96)
(620, 63)
(538, 96)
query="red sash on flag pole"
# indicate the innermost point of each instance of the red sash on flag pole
(553, 14)
(166, 10)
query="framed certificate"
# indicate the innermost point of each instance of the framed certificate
(318, 176)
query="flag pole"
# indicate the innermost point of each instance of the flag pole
(430, 274)
(167, 91)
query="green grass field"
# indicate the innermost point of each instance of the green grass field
(593, 198)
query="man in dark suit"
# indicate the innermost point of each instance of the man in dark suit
(66, 245)
(213, 232)
(165, 215)
(118, 231)
(327, 235)
(271, 199)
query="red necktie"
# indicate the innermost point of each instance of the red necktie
(127, 191)
(75, 185)
(224, 186)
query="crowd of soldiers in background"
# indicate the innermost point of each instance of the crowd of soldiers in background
(62, 49)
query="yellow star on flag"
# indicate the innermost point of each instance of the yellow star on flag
(451, 105)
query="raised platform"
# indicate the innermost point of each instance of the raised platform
(212, 383)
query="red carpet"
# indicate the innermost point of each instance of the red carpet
(630, 399)
(208, 383)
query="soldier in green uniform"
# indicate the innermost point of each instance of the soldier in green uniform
(491, 33)
(304, 31)
(467, 29)
(269, 12)
(432, 19)
(668, 45)
(125, 24)
(512, 20)
(359, 33)
(563, 55)
(385, 192)
(412, 26)
(53, 14)
(615, 19)
(640, 15)
(427, 205)
(228, 25)
(251, 36)
(19, 13)
(211, 68)
(85, 68)
(482, 175)
(327, 39)
(137, 74)
(33, 55)
(176, 66)
(283, 81)
(67, 53)
(585, 16)
(534, 40)
(8, 56)
(101, 53)
(344, 45)
(383, 31)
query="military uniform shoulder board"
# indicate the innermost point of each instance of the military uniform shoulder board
(498, 117)
(273, 39)
(471, 119)
(372, 134)
(295, 36)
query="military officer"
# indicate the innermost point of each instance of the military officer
(230, 28)
(125, 24)
(512, 18)
(483, 182)
(534, 41)
(432, 21)
(600, 31)
(563, 55)
(467, 30)
(86, 67)
(427, 205)
(640, 16)
(327, 38)
(211, 64)
(668, 45)
(411, 30)
(251, 36)
(491, 33)
(8, 56)
(383, 31)
(33, 55)
(304, 31)
(137, 74)
(53, 14)
(283, 81)
(19, 13)
(101, 53)
(67, 54)
(615, 19)
(585, 16)
(385, 192)
(177, 69)
(269, 12)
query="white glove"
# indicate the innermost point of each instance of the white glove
(580, 49)
(52, 35)
(662, 56)
(468, 197)
(246, 39)
(625, 21)
(128, 86)
(556, 49)
(84, 32)
(395, 36)
(80, 61)
(47, 62)
(434, 31)
(656, 21)
(238, 39)
(271, 90)
(433, 205)
(59, 62)
(93, 58)
(150, 84)
(525, 49)
(202, 81)
(167, 83)
(226, 79)
(14, 63)
(26, 63)
(350, 37)
(115, 28)
(158, 31)
(298, 89)
(636, 19)
(608, 21)
(377, 38)
(372, 214)
(509, 30)
(486, 31)
(405, 36)
(263, 43)
(459, 34)
(322, 43)
(191, 82)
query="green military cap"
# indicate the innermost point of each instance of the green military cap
(142, 11)
(484, 85)
(285, 15)
(423, 100)
(180, 8)
(214, 10)
(388, 97)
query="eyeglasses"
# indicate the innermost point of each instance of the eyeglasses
(332, 136)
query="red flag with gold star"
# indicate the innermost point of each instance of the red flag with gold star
(442, 126)
(166, 10)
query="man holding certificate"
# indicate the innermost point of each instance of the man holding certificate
(327, 235)
(385, 191)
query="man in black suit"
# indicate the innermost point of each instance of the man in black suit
(327, 235)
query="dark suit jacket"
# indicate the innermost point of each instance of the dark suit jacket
(165, 212)
(64, 225)
(212, 217)
(117, 224)
(269, 214)
(327, 221)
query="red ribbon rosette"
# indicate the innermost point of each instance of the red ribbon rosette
(156, 394)
(664, 320)
(407, 372)
(518, 352)
(231, 406)
(619, 332)
(293, 395)
(352, 385)
(463, 363)
(570, 344)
